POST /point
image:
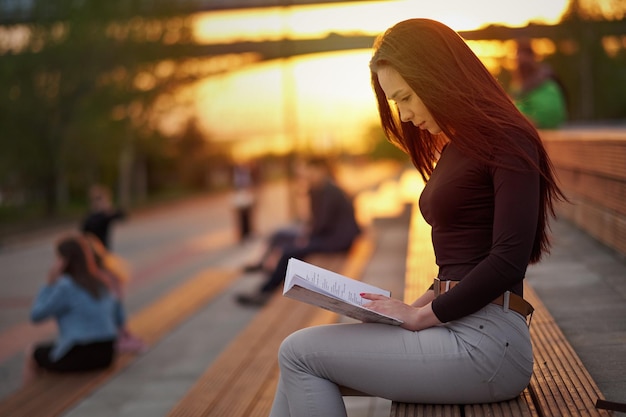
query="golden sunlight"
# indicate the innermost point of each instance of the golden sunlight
(317, 102)
(368, 17)
(324, 102)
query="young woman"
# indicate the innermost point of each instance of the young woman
(87, 313)
(489, 195)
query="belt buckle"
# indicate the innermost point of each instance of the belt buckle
(506, 301)
(437, 286)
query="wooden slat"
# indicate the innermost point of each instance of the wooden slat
(425, 410)
(560, 384)
(521, 406)
(52, 394)
(239, 395)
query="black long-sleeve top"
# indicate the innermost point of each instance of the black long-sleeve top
(98, 223)
(484, 221)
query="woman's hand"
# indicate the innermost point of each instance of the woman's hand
(414, 318)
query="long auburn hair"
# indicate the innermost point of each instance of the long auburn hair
(80, 265)
(467, 102)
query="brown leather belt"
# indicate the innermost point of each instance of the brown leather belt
(508, 300)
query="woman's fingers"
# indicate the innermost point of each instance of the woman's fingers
(373, 297)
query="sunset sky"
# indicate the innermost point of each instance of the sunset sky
(323, 100)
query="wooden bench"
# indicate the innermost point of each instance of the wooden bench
(242, 380)
(52, 394)
(560, 385)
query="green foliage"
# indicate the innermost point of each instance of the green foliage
(79, 94)
(593, 77)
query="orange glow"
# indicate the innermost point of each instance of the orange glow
(318, 102)
(324, 102)
(313, 21)
(613, 44)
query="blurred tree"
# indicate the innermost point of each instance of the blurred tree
(598, 85)
(589, 59)
(77, 96)
(192, 156)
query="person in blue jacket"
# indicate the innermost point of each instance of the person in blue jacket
(87, 313)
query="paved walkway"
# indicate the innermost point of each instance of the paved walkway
(582, 283)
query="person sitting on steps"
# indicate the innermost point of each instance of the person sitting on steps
(332, 229)
(85, 309)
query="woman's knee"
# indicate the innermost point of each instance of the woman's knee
(288, 350)
(295, 348)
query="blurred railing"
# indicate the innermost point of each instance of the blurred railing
(591, 166)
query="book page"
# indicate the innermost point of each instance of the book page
(330, 282)
(326, 289)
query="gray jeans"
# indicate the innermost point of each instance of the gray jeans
(484, 357)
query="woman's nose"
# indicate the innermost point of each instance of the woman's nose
(405, 115)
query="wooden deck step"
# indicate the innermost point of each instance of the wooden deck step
(561, 385)
(52, 394)
(242, 381)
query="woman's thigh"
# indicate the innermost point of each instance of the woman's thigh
(456, 363)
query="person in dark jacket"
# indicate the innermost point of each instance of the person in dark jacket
(101, 215)
(332, 228)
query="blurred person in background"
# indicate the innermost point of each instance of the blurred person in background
(87, 313)
(244, 182)
(536, 90)
(115, 273)
(101, 214)
(332, 227)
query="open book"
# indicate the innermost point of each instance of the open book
(332, 291)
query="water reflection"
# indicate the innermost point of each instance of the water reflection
(312, 102)
(368, 17)
(325, 101)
